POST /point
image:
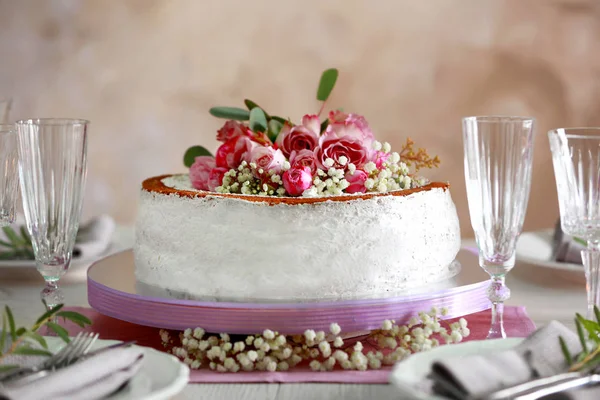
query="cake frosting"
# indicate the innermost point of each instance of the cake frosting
(202, 245)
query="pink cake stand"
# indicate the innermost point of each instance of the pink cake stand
(113, 291)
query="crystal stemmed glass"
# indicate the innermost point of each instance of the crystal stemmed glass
(576, 160)
(52, 173)
(498, 153)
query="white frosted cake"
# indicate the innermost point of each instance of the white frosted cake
(224, 247)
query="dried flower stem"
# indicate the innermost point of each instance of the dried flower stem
(419, 159)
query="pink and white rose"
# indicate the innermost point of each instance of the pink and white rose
(357, 181)
(231, 153)
(200, 172)
(334, 147)
(231, 130)
(379, 157)
(304, 158)
(350, 125)
(297, 180)
(299, 137)
(267, 158)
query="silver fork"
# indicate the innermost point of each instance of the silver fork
(75, 348)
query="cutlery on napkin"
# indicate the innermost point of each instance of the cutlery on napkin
(92, 378)
(540, 355)
(93, 239)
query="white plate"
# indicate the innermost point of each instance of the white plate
(535, 248)
(409, 374)
(161, 376)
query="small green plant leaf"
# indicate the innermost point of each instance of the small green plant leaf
(274, 129)
(6, 368)
(580, 241)
(11, 323)
(60, 331)
(37, 337)
(3, 333)
(326, 84)
(12, 236)
(195, 151)
(250, 104)
(48, 313)
(565, 351)
(29, 351)
(25, 235)
(235, 113)
(324, 125)
(258, 120)
(21, 331)
(77, 318)
(279, 119)
(6, 244)
(580, 333)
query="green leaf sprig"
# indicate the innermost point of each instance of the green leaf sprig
(589, 336)
(261, 121)
(18, 246)
(22, 338)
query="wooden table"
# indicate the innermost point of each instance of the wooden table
(546, 294)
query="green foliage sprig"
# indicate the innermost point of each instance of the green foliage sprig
(589, 358)
(23, 339)
(18, 246)
(261, 121)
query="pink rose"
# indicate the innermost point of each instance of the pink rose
(215, 178)
(297, 180)
(231, 130)
(331, 146)
(295, 139)
(357, 181)
(379, 157)
(231, 153)
(267, 158)
(304, 158)
(353, 125)
(200, 171)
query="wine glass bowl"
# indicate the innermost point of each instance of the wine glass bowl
(576, 161)
(498, 157)
(52, 173)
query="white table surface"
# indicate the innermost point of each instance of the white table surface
(546, 294)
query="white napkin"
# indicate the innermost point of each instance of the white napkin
(90, 379)
(537, 356)
(93, 237)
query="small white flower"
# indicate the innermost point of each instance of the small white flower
(395, 158)
(343, 160)
(258, 342)
(249, 340)
(238, 347)
(283, 366)
(309, 335)
(192, 344)
(315, 365)
(265, 347)
(329, 162)
(340, 355)
(335, 328)
(320, 336)
(376, 145)
(280, 340)
(386, 147)
(187, 333)
(370, 167)
(325, 348)
(358, 347)
(195, 364)
(252, 355)
(268, 334)
(456, 336)
(227, 346)
(387, 325)
(351, 168)
(338, 342)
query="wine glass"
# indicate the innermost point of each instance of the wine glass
(576, 160)
(498, 153)
(52, 172)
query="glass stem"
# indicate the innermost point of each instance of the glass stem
(591, 265)
(498, 293)
(51, 294)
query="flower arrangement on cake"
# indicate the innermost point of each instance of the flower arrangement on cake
(267, 155)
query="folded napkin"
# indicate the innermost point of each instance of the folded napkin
(537, 356)
(93, 237)
(90, 379)
(565, 248)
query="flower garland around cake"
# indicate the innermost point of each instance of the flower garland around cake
(267, 155)
(320, 351)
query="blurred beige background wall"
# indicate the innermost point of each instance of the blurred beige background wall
(145, 73)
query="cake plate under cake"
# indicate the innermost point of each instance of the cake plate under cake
(112, 291)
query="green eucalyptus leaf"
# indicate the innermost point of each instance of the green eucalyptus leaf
(279, 119)
(25, 235)
(326, 84)
(258, 120)
(6, 244)
(12, 236)
(235, 113)
(195, 151)
(37, 337)
(580, 241)
(324, 125)
(59, 330)
(11, 323)
(565, 351)
(250, 104)
(29, 351)
(3, 333)
(49, 314)
(77, 318)
(274, 129)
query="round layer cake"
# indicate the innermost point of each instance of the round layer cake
(228, 247)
